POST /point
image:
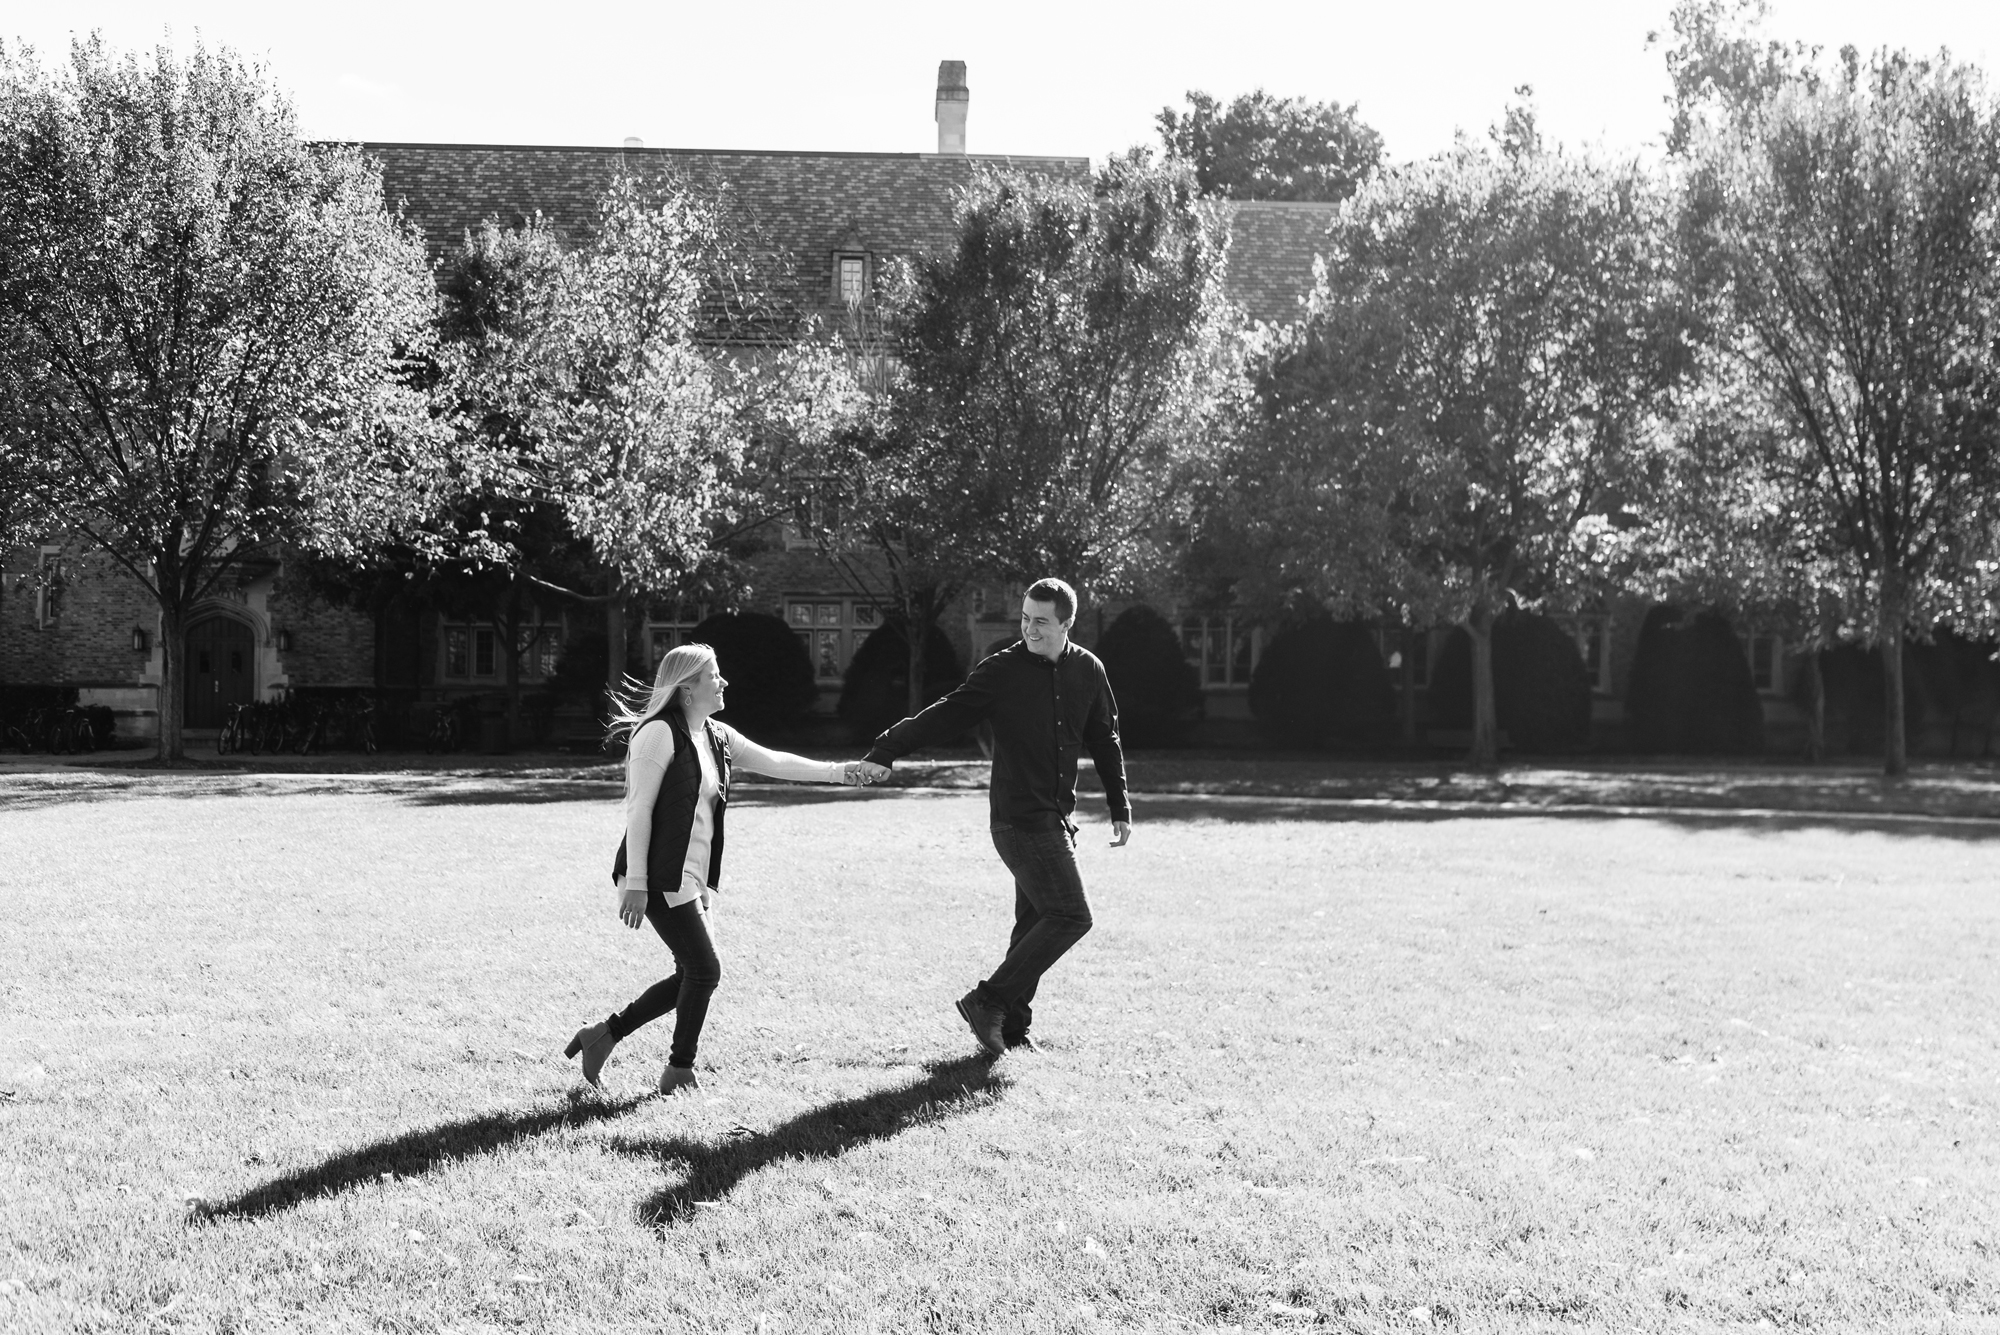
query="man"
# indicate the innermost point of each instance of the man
(1046, 699)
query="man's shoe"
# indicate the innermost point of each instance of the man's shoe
(984, 1022)
(1020, 1043)
(677, 1078)
(595, 1042)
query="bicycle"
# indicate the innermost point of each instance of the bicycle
(235, 727)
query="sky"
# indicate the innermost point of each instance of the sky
(1081, 78)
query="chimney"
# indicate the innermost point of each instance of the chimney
(952, 98)
(634, 141)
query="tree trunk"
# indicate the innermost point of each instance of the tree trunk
(173, 693)
(1485, 725)
(1895, 744)
(1409, 684)
(919, 642)
(1815, 709)
(614, 649)
(513, 662)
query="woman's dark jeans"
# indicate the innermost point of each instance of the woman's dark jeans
(686, 992)
(1050, 916)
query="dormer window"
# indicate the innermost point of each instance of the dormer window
(853, 279)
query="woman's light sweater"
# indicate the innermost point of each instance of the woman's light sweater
(651, 748)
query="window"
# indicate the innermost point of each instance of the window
(1767, 663)
(832, 628)
(1390, 640)
(48, 587)
(1593, 642)
(1223, 652)
(671, 624)
(853, 280)
(471, 650)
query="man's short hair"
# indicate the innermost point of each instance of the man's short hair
(1057, 592)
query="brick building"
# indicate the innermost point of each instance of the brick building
(833, 218)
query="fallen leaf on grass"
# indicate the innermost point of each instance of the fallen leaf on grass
(12, 1288)
(525, 1055)
(1283, 1309)
(7, 1096)
(1422, 1314)
(1582, 1152)
(172, 1303)
(1092, 1247)
(525, 1278)
(416, 1235)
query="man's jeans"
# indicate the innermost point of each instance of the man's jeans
(1050, 916)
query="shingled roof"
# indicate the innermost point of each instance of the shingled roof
(1271, 248)
(810, 206)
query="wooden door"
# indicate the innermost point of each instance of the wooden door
(220, 670)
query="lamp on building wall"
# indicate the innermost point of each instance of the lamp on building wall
(284, 641)
(142, 643)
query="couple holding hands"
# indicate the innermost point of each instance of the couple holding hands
(1047, 700)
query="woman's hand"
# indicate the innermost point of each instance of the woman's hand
(632, 907)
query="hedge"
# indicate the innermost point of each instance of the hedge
(1691, 691)
(770, 673)
(875, 692)
(1157, 689)
(1321, 682)
(1541, 689)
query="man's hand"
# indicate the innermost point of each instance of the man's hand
(857, 773)
(1121, 830)
(632, 907)
(870, 772)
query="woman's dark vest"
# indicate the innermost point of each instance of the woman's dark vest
(673, 808)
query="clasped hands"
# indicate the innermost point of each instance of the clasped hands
(859, 773)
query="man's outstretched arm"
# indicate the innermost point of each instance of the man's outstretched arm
(942, 721)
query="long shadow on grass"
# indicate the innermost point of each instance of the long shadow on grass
(1267, 810)
(709, 1172)
(415, 1152)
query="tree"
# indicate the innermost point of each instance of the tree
(1848, 223)
(1060, 371)
(1065, 361)
(1438, 438)
(1265, 147)
(213, 331)
(588, 367)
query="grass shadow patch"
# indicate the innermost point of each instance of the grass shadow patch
(1233, 810)
(516, 792)
(709, 1172)
(414, 1152)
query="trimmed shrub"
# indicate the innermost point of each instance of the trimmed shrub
(1321, 682)
(1541, 689)
(875, 692)
(1691, 691)
(770, 673)
(1158, 690)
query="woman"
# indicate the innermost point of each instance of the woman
(677, 767)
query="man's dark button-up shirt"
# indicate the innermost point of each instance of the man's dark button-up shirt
(1044, 714)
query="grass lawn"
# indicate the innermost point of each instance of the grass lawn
(1314, 1069)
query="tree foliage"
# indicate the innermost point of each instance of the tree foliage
(1266, 147)
(1441, 435)
(1846, 226)
(1064, 362)
(215, 335)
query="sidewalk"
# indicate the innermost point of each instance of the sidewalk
(1963, 790)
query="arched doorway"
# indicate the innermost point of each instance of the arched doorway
(221, 669)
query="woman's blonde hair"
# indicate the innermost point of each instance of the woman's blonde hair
(638, 702)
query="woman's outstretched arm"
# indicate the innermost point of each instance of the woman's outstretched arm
(784, 765)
